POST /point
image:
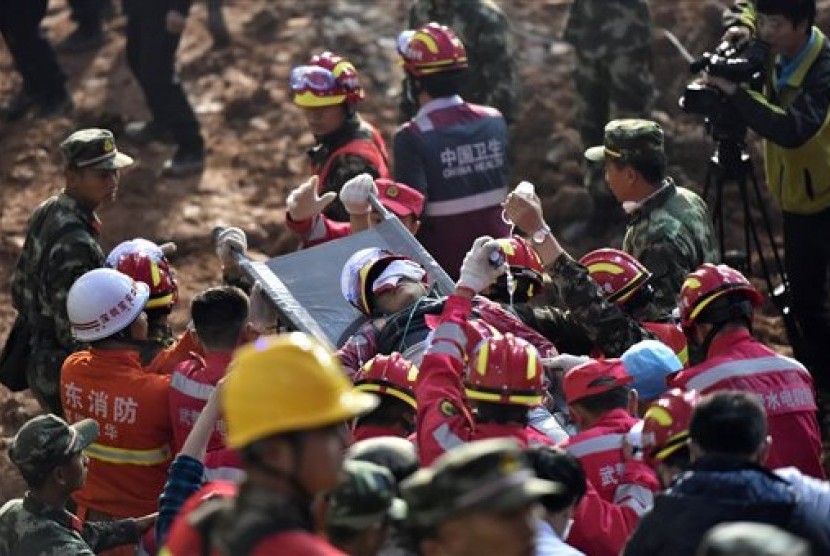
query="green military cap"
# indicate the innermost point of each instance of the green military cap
(484, 476)
(47, 440)
(365, 496)
(93, 148)
(629, 141)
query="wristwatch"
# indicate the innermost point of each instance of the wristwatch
(539, 235)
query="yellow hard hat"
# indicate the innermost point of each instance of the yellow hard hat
(283, 383)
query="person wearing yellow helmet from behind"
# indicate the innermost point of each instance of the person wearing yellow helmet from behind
(285, 401)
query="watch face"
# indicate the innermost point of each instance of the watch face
(539, 236)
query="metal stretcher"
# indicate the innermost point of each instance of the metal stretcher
(304, 286)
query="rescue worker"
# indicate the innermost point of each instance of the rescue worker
(286, 403)
(128, 463)
(392, 378)
(669, 231)
(362, 508)
(726, 482)
(486, 33)
(49, 454)
(453, 152)
(61, 245)
(328, 89)
(304, 215)
(154, 31)
(601, 304)
(221, 325)
(470, 386)
(479, 498)
(613, 79)
(392, 290)
(602, 406)
(665, 436)
(164, 294)
(716, 309)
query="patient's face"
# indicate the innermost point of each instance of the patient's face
(405, 294)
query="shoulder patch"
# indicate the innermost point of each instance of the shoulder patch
(447, 408)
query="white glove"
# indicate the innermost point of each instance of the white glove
(355, 194)
(304, 203)
(565, 361)
(228, 241)
(477, 272)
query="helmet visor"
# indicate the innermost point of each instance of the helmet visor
(314, 78)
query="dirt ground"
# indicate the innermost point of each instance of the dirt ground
(256, 137)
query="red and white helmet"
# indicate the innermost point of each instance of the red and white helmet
(103, 302)
(142, 267)
(431, 49)
(505, 370)
(708, 283)
(327, 80)
(360, 272)
(390, 375)
(618, 275)
(666, 424)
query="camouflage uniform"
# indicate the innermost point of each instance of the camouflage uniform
(41, 280)
(670, 232)
(481, 25)
(27, 525)
(612, 73)
(366, 495)
(159, 338)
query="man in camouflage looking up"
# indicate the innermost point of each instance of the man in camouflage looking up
(481, 25)
(613, 79)
(61, 245)
(670, 229)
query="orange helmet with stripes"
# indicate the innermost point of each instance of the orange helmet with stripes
(390, 375)
(619, 275)
(431, 49)
(709, 283)
(666, 424)
(156, 273)
(327, 80)
(505, 370)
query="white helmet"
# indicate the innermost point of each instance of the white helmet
(137, 245)
(104, 302)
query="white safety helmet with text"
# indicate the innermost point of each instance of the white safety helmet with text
(104, 302)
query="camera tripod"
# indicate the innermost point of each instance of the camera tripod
(731, 163)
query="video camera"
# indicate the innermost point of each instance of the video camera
(741, 64)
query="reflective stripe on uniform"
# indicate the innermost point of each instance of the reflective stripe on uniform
(445, 438)
(743, 367)
(190, 387)
(596, 445)
(154, 456)
(231, 474)
(637, 497)
(470, 203)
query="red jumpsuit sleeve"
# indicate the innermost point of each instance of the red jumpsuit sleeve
(318, 229)
(167, 359)
(358, 349)
(601, 528)
(443, 419)
(505, 321)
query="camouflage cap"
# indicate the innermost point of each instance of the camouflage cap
(630, 141)
(366, 494)
(488, 476)
(93, 148)
(47, 440)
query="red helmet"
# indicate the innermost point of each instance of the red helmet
(142, 267)
(391, 375)
(523, 260)
(618, 274)
(431, 49)
(327, 80)
(708, 283)
(505, 370)
(666, 424)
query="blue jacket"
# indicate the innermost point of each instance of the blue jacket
(716, 490)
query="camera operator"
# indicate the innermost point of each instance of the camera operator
(791, 114)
